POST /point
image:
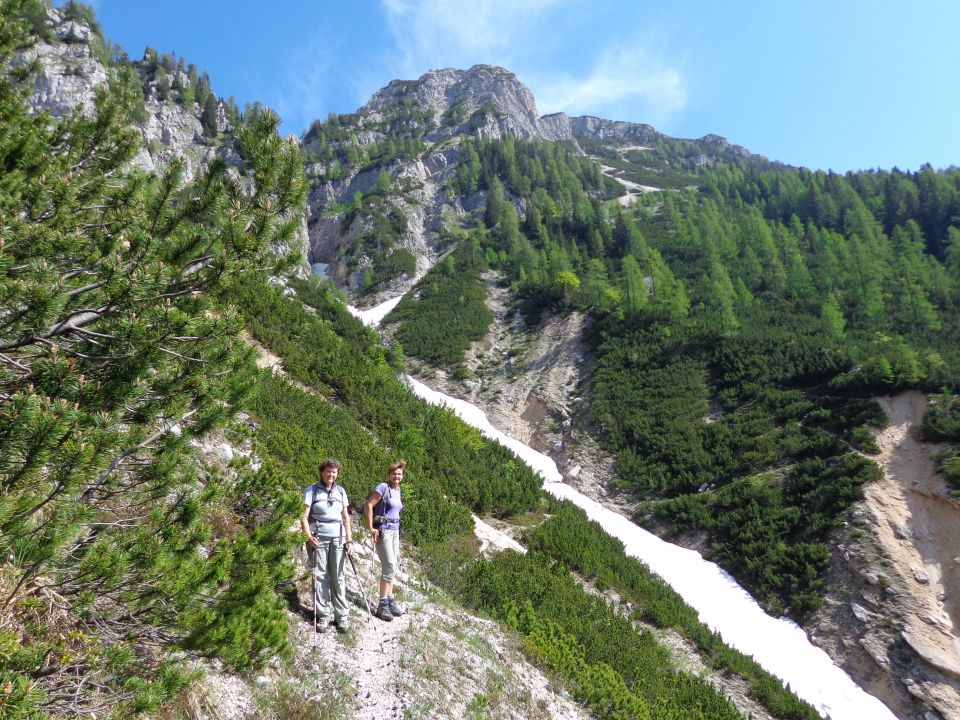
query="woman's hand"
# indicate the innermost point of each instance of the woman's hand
(312, 543)
(376, 535)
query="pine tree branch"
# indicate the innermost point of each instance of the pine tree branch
(182, 357)
(84, 356)
(196, 265)
(93, 334)
(76, 319)
(70, 274)
(89, 493)
(85, 288)
(36, 508)
(16, 364)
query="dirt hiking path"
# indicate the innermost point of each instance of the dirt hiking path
(634, 190)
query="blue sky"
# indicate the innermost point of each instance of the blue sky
(841, 84)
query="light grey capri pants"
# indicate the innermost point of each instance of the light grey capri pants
(388, 549)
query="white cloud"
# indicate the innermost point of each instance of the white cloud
(443, 33)
(625, 82)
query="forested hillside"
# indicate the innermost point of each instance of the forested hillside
(615, 671)
(741, 325)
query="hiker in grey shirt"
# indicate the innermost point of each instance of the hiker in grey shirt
(326, 524)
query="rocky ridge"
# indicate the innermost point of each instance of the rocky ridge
(485, 101)
(438, 108)
(619, 133)
(491, 102)
(69, 71)
(68, 75)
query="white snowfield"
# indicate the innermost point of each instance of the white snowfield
(374, 315)
(779, 645)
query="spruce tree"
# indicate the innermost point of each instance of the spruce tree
(208, 117)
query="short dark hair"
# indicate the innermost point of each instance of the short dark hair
(330, 463)
(398, 465)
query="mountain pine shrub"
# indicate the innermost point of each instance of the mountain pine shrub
(115, 352)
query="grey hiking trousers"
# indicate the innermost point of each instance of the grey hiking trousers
(329, 579)
(388, 549)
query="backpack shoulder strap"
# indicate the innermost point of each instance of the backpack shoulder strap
(384, 503)
(342, 493)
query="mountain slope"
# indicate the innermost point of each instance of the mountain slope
(735, 325)
(360, 227)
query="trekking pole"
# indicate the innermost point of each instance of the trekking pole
(365, 601)
(313, 573)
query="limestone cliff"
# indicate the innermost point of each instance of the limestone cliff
(485, 101)
(68, 74)
(410, 130)
(75, 61)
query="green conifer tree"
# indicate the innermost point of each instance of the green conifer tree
(208, 117)
(832, 317)
(635, 290)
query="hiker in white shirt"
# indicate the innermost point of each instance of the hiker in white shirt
(326, 524)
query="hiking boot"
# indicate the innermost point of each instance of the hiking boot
(343, 626)
(323, 626)
(383, 611)
(395, 609)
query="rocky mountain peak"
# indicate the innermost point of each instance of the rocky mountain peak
(484, 100)
(602, 130)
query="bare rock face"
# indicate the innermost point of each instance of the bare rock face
(336, 240)
(557, 125)
(69, 71)
(601, 130)
(436, 110)
(486, 101)
(491, 102)
(68, 74)
(704, 151)
(171, 132)
(888, 618)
